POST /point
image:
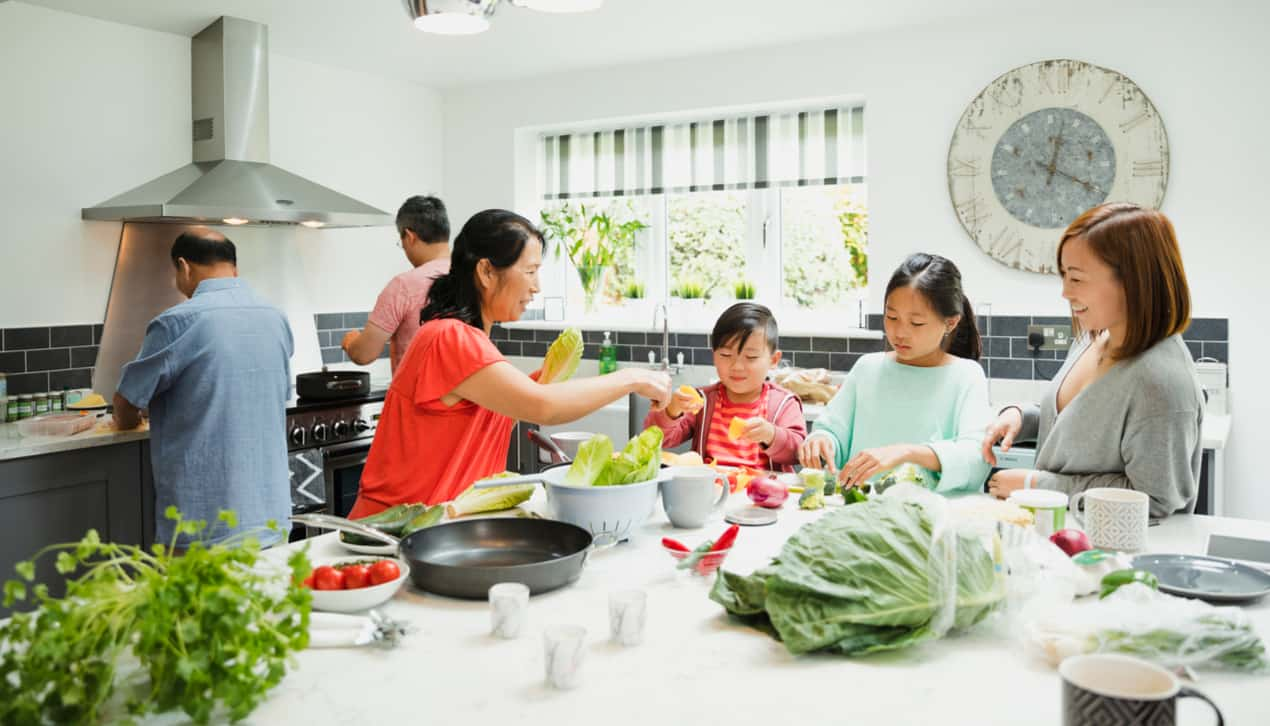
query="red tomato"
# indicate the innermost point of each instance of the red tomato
(356, 576)
(384, 571)
(308, 581)
(328, 578)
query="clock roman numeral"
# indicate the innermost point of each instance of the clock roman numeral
(1151, 167)
(1134, 122)
(973, 211)
(963, 167)
(1111, 86)
(972, 128)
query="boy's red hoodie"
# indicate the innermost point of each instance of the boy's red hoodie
(784, 410)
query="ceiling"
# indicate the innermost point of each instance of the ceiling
(376, 36)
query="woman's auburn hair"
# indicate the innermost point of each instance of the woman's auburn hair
(1140, 246)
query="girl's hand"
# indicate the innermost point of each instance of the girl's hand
(759, 430)
(872, 461)
(1004, 429)
(817, 452)
(1002, 483)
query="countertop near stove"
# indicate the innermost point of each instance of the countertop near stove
(14, 445)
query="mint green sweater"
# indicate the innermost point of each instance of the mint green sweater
(883, 402)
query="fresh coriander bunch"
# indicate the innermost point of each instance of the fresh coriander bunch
(213, 628)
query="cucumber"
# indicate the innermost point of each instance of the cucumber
(424, 520)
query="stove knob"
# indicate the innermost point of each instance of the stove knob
(360, 426)
(319, 432)
(297, 436)
(340, 429)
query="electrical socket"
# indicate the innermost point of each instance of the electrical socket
(1057, 337)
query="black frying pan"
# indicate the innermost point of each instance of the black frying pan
(464, 558)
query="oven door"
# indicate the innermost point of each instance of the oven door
(342, 466)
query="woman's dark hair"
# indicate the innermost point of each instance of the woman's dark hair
(202, 246)
(939, 281)
(426, 217)
(739, 322)
(496, 235)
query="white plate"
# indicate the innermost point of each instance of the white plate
(363, 598)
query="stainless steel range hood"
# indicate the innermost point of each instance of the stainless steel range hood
(231, 179)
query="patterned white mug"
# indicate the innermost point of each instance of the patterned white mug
(1114, 519)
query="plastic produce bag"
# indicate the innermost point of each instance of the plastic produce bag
(1155, 626)
(880, 575)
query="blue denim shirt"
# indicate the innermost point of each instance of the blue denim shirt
(215, 373)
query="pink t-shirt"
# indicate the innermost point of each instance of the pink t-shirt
(398, 307)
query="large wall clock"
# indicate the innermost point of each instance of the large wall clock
(1043, 143)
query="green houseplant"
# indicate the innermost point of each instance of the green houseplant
(743, 290)
(634, 291)
(594, 240)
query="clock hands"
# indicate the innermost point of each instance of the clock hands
(1053, 169)
(1053, 166)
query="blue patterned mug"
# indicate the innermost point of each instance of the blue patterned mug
(1109, 689)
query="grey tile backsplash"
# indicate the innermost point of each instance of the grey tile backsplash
(39, 359)
(331, 328)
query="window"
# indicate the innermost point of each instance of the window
(774, 203)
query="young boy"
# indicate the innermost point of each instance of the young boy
(744, 344)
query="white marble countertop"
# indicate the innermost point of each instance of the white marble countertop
(696, 666)
(14, 445)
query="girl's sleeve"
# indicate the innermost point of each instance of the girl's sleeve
(962, 468)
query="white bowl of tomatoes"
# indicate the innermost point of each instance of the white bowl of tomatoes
(352, 584)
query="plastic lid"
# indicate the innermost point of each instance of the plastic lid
(751, 516)
(1039, 498)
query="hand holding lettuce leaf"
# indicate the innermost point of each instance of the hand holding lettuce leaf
(596, 465)
(562, 358)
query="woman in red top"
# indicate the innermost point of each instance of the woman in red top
(449, 412)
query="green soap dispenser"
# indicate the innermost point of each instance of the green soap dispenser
(608, 355)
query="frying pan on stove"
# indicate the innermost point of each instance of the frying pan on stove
(464, 558)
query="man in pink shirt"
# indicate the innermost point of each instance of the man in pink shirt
(425, 237)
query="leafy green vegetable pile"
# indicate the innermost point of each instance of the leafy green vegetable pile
(596, 466)
(208, 630)
(865, 578)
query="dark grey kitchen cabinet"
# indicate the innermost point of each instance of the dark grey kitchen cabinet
(58, 497)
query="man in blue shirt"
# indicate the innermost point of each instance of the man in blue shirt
(214, 372)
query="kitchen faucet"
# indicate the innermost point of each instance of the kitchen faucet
(665, 337)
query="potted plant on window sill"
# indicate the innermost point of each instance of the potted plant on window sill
(593, 240)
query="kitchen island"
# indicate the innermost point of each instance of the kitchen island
(696, 666)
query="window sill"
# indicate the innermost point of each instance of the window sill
(620, 327)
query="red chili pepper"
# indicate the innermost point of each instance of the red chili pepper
(674, 544)
(726, 539)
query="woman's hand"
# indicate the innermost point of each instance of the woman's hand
(872, 461)
(653, 385)
(759, 430)
(1005, 481)
(681, 403)
(817, 452)
(1004, 429)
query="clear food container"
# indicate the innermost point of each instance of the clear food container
(56, 424)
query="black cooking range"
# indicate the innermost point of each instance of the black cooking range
(328, 439)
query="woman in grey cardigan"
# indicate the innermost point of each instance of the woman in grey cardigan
(1126, 407)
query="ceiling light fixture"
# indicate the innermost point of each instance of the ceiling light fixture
(313, 224)
(451, 17)
(235, 220)
(468, 17)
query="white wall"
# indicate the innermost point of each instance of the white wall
(1201, 66)
(89, 109)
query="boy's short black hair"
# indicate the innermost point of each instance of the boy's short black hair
(426, 217)
(204, 247)
(739, 322)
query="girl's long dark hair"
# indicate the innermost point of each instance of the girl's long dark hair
(496, 235)
(939, 281)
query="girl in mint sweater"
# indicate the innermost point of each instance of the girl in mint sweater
(923, 402)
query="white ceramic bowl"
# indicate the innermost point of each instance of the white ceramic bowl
(608, 513)
(365, 598)
(569, 441)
